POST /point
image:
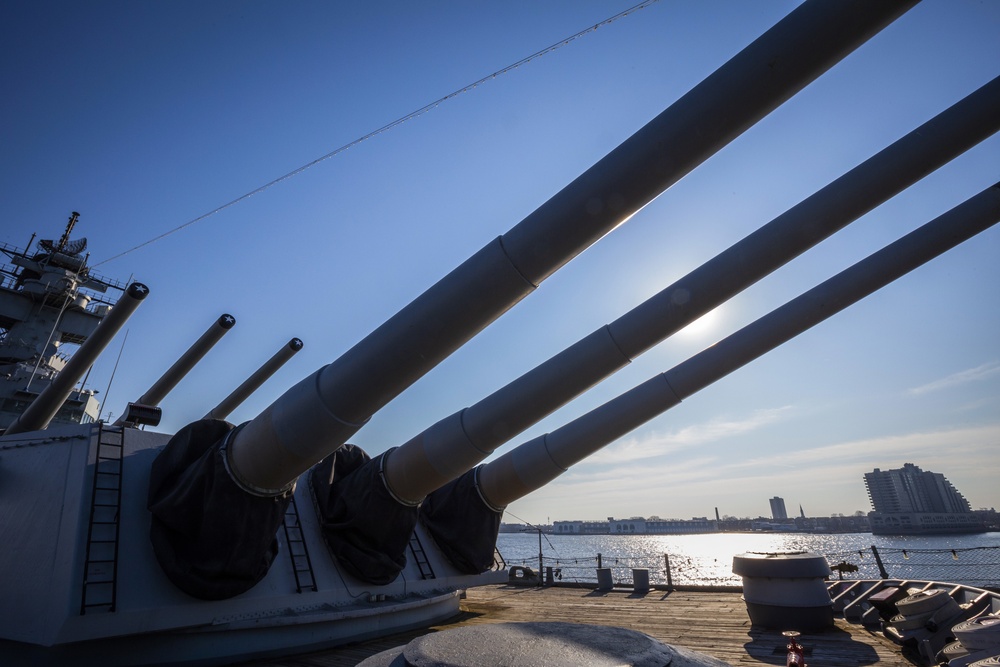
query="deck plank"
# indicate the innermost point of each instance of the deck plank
(715, 623)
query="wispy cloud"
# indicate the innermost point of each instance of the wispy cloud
(825, 479)
(971, 375)
(633, 449)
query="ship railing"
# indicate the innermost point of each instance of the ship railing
(8, 279)
(971, 566)
(109, 282)
(10, 250)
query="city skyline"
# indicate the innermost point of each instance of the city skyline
(145, 117)
(778, 501)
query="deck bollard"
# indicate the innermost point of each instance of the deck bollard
(604, 582)
(640, 580)
(786, 590)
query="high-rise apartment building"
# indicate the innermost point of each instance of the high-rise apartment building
(778, 508)
(911, 500)
(910, 489)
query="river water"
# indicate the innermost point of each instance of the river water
(708, 559)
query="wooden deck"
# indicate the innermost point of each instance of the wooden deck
(713, 623)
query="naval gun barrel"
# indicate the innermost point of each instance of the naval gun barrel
(45, 406)
(187, 361)
(252, 383)
(539, 461)
(453, 445)
(319, 414)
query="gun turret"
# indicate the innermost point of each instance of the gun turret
(45, 406)
(252, 383)
(210, 475)
(475, 501)
(452, 446)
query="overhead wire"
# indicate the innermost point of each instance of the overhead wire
(385, 128)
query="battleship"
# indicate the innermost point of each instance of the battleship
(223, 542)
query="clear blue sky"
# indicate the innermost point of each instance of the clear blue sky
(143, 116)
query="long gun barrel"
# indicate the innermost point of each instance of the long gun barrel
(541, 460)
(453, 445)
(45, 406)
(252, 383)
(251, 471)
(317, 416)
(187, 361)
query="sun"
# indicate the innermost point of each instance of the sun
(703, 327)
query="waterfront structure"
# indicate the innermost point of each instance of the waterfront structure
(654, 525)
(763, 525)
(580, 527)
(909, 500)
(778, 508)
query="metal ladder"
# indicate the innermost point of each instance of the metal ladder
(420, 558)
(100, 574)
(297, 550)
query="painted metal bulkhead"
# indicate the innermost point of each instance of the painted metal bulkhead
(45, 565)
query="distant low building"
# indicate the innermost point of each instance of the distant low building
(580, 527)
(834, 524)
(637, 526)
(698, 524)
(925, 523)
(524, 528)
(990, 519)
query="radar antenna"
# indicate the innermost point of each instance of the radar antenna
(74, 216)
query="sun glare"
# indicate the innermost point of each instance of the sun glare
(703, 327)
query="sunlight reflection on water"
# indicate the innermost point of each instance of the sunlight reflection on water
(708, 559)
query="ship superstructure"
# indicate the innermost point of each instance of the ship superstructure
(50, 302)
